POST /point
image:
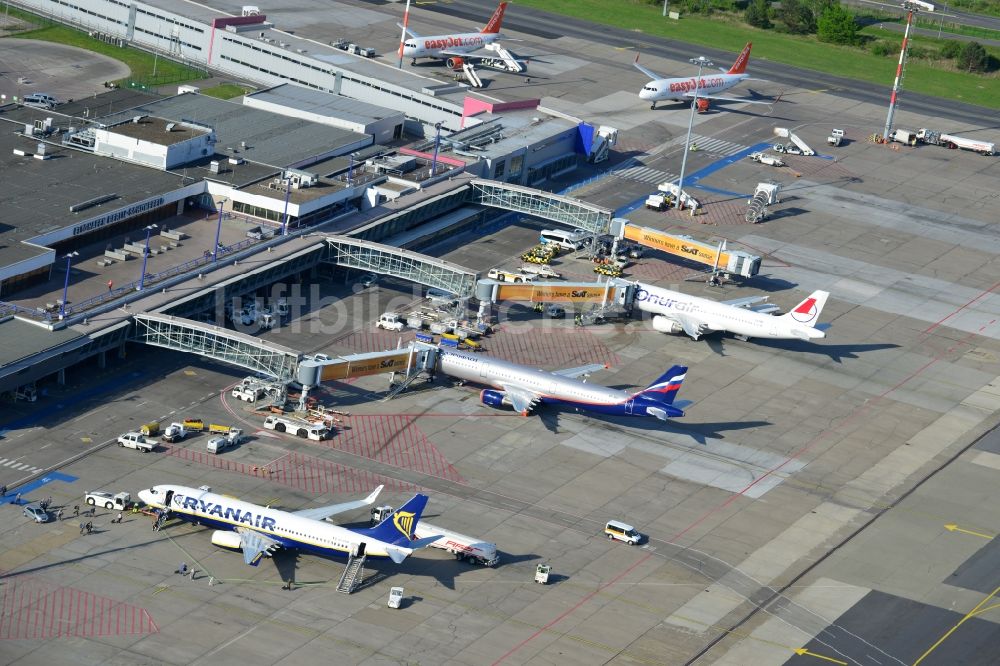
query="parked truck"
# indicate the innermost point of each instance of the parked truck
(463, 547)
(227, 441)
(836, 137)
(952, 141)
(540, 270)
(248, 392)
(507, 276)
(174, 432)
(903, 136)
(390, 321)
(137, 441)
(764, 158)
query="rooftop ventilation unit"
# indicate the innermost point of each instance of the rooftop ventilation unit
(90, 203)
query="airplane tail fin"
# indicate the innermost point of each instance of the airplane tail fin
(665, 388)
(399, 525)
(740, 66)
(493, 26)
(807, 312)
(408, 30)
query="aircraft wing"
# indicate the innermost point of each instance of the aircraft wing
(695, 328)
(582, 371)
(648, 72)
(522, 400)
(745, 302)
(324, 512)
(731, 99)
(256, 545)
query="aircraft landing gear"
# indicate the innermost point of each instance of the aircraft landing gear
(413, 62)
(653, 106)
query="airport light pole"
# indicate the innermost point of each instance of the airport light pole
(437, 144)
(702, 62)
(62, 304)
(284, 219)
(145, 257)
(218, 231)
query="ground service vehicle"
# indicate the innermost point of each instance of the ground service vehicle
(227, 441)
(952, 141)
(247, 392)
(395, 597)
(174, 432)
(35, 512)
(40, 100)
(470, 549)
(836, 137)
(619, 531)
(507, 276)
(390, 321)
(120, 501)
(764, 158)
(658, 202)
(136, 440)
(542, 572)
(297, 428)
(150, 429)
(193, 425)
(567, 240)
(903, 136)
(540, 270)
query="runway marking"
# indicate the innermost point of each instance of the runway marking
(975, 611)
(804, 652)
(956, 528)
(190, 373)
(86, 440)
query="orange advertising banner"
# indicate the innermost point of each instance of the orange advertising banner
(555, 293)
(682, 247)
(361, 368)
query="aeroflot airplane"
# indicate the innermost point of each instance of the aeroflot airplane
(259, 530)
(454, 49)
(680, 88)
(523, 387)
(675, 312)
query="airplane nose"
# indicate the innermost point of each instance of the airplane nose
(146, 497)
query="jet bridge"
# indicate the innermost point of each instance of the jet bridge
(612, 292)
(734, 262)
(220, 344)
(564, 210)
(388, 260)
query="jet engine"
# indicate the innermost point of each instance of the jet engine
(227, 539)
(455, 63)
(666, 325)
(493, 398)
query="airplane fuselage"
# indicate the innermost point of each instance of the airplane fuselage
(682, 89)
(551, 388)
(319, 537)
(722, 317)
(435, 45)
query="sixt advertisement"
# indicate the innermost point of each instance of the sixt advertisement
(364, 367)
(555, 293)
(677, 245)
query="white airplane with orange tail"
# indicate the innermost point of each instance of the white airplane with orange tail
(683, 88)
(456, 48)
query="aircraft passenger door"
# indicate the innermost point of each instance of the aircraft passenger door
(361, 550)
(629, 405)
(484, 370)
(167, 500)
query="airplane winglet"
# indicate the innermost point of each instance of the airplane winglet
(371, 497)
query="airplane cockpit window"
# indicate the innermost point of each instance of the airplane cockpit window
(411, 45)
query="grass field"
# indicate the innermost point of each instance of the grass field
(147, 69)
(806, 52)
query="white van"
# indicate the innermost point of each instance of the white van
(40, 100)
(567, 240)
(619, 531)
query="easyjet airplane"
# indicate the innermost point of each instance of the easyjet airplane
(681, 88)
(454, 49)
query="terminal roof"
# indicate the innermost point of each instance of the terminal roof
(38, 193)
(270, 138)
(323, 103)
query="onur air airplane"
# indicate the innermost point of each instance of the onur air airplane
(675, 312)
(523, 387)
(259, 530)
(661, 88)
(453, 49)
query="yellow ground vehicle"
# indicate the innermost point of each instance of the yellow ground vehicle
(151, 429)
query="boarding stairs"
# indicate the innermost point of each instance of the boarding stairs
(471, 76)
(354, 573)
(403, 385)
(504, 60)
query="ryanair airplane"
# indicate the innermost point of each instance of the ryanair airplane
(259, 530)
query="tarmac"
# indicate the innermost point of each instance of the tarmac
(832, 502)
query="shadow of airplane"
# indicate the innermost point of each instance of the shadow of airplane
(836, 353)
